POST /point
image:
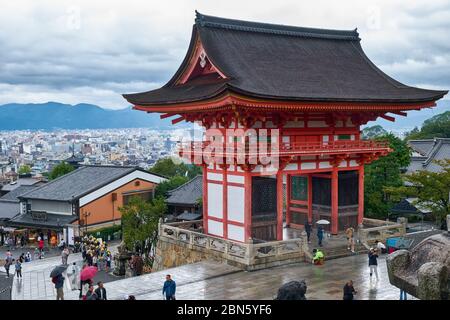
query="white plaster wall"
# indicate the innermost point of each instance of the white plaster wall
(235, 178)
(215, 228)
(215, 200)
(295, 124)
(317, 124)
(324, 164)
(353, 163)
(308, 165)
(236, 233)
(292, 166)
(236, 197)
(215, 176)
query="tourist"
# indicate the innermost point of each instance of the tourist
(73, 274)
(18, 269)
(373, 263)
(28, 257)
(381, 248)
(59, 286)
(320, 235)
(22, 258)
(169, 288)
(101, 291)
(62, 244)
(91, 295)
(53, 241)
(108, 261)
(349, 290)
(318, 257)
(138, 265)
(22, 241)
(65, 255)
(308, 229)
(8, 262)
(132, 265)
(84, 288)
(403, 295)
(41, 246)
(349, 232)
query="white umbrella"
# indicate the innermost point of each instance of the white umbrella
(323, 222)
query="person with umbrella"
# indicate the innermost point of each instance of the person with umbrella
(58, 281)
(87, 274)
(320, 231)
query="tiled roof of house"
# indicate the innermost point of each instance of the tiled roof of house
(188, 193)
(435, 149)
(78, 183)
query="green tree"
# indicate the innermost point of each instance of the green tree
(432, 190)
(382, 173)
(435, 127)
(164, 187)
(140, 224)
(166, 167)
(25, 169)
(60, 170)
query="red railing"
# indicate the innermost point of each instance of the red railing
(287, 148)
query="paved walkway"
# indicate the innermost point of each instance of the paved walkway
(212, 280)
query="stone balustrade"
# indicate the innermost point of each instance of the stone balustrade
(384, 230)
(249, 256)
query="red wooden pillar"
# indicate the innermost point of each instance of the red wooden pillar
(205, 199)
(248, 205)
(309, 198)
(360, 194)
(288, 199)
(334, 200)
(225, 203)
(279, 205)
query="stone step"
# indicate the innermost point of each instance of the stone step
(340, 252)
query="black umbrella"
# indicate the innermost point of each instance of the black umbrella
(58, 270)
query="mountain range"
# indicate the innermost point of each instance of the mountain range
(54, 115)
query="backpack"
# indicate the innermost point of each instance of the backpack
(54, 280)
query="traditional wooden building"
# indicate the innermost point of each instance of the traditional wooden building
(296, 95)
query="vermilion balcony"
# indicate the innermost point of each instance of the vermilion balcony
(206, 148)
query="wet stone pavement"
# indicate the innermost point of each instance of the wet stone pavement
(211, 280)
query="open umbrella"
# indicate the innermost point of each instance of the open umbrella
(58, 270)
(88, 273)
(323, 222)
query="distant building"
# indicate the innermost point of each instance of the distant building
(83, 200)
(426, 151)
(184, 202)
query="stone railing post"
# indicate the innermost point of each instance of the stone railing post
(160, 221)
(448, 223)
(249, 254)
(403, 221)
(305, 246)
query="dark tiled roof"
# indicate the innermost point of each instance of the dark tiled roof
(189, 216)
(188, 193)
(285, 63)
(78, 183)
(53, 221)
(421, 146)
(20, 182)
(17, 192)
(439, 150)
(9, 209)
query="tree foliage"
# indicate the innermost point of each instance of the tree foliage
(25, 169)
(432, 190)
(166, 167)
(435, 127)
(140, 223)
(382, 173)
(60, 170)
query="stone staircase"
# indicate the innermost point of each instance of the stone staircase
(340, 251)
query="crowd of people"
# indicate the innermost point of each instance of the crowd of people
(95, 253)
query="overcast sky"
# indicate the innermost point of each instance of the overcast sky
(92, 51)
